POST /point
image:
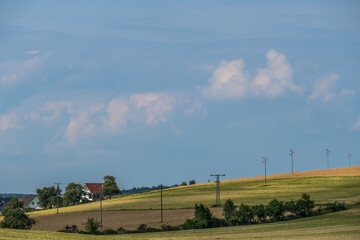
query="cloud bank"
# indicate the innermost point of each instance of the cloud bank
(89, 119)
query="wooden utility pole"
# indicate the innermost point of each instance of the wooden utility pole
(57, 197)
(349, 156)
(327, 157)
(101, 219)
(292, 161)
(265, 160)
(161, 200)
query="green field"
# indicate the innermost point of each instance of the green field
(322, 190)
(339, 225)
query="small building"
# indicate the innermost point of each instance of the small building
(30, 201)
(93, 191)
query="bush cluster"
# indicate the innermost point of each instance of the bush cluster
(203, 219)
(335, 206)
(274, 211)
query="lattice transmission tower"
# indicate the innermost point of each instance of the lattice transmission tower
(217, 187)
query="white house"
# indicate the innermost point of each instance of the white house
(30, 201)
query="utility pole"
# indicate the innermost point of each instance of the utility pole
(101, 219)
(349, 156)
(292, 162)
(161, 200)
(217, 187)
(265, 160)
(327, 157)
(57, 197)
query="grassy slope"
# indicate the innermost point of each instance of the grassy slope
(340, 225)
(251, 191)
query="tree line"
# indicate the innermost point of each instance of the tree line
(158, 187)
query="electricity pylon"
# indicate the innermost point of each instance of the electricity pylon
(217, 187)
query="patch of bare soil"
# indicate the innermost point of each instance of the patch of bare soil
(114, 219)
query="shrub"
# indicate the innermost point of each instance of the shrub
(190, 224)
(92, 226)
(244, 214)
(145, 228)
(169, 228)
(183, 184)
(121, 230)
(304, 205)
(229, 212)
(16, 218)
(68, 229)
(109, 232)
(334, 207)
(275, 210)
(260, 212)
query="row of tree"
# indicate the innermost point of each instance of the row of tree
(158, 187)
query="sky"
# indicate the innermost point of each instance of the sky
(160, 92)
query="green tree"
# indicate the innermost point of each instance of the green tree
(229, 212)
(15, 217)
(259, 212)
(13, 203)
(110, 188)
(245, 214)
(45, 194)
(183, 184)
(305, 205)
(203, 216)
(73, 193)
(192, 182)
(92, 226)
(275, 209)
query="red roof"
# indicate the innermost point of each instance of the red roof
(96, 187)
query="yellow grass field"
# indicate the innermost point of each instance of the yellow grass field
(340, 184)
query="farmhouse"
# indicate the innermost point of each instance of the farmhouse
(93, 191)
(30, 201)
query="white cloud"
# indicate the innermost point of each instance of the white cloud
(230, 81)
(33, 52)
(153, 106)
(276, 77)
(322, 88)
(117, 115)
(14, 72)
(8, 121)
(79, 126)
(56, 108)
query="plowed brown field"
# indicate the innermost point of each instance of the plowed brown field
(114, 219)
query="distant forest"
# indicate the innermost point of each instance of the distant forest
(142, 189)
(5, 197)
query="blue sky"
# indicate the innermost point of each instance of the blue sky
(168, 91)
